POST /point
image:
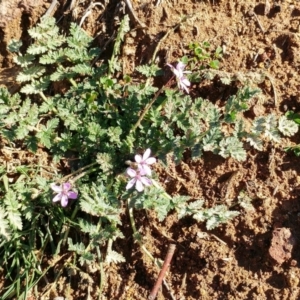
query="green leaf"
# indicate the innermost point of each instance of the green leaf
(114, 257)
(287, 127)
(96, 200)
(78, 39)
(37, 49)
(271, 130)
(5, 230)
(149, 71)
(24, 61)
(13, 214)
(14, 46)
(31, 73)
(232, 146)
(82, 69)
(36, 86)
(255, 141)
(46, 134)
(293, 116)
(214, 64)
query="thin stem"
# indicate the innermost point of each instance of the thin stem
(163, 271)
(85, 173)
(43, 96)
(148, 106)
(68, 229)
(76, 172)
(102, 273)
(46, 100)
(49, 235)
(135, 232)
(73, 82)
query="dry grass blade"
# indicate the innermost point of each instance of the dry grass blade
(129, 5)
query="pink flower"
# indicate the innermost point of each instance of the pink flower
(182, 81)
(144, 162)
(64, 193)
(138, 179)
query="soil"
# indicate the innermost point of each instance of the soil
(257, 255)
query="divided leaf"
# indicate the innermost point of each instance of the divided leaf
(287, 127)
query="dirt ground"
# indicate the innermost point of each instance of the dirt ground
(257, 255)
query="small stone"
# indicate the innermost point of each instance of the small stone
(281, 245)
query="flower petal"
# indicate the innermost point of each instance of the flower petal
(146, 181)
(131, 172)
(57, 197)
(64, 200)
(139, 186)
(146, 169)
(185, 88)
(72, 195)
(177, 73)
(147, 154)
(56, 188)
(67, 186)
(142, 171)
(150, 160)
(180, 66)
(185, 81)
(130, 184)
(138, 158)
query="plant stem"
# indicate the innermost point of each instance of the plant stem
(46, 100)
(78, 171)
(135, 232)
(43, 96)
(163, 271)
(148, 106)
(102, 273)
(73, 82)
(68, 229)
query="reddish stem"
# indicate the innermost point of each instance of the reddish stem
(162, 272)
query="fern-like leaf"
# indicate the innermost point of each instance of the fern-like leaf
(232, 146)
(255, 141)
(114, 257)
(4, 225)
(287, 127)
(36, 86)
(31, 73)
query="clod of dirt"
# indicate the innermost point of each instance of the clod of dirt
(16, 16)
(281, 245)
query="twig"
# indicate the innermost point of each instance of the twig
(51, 7)
(218, 239)
(76, 172)
(148, 106)
(259, 24)
(273, 86)
(132, 223)
(129, 5)
(169, 290)
(184, 19)
(143, 248)
(89, 11)
(163, 271)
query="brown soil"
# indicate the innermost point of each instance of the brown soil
(257, 255)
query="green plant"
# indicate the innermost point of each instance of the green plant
(201, 53)
(87, 131)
